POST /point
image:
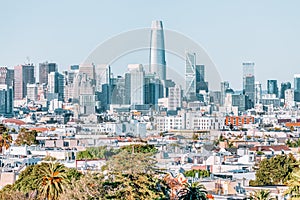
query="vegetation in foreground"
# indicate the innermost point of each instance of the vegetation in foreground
(128, 174)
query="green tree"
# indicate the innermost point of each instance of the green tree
(5, 138)
(193, 172)
(140, 148)
(26, 137)
(8, 193)
(294, 185)
(89, 186)
(45, 180)
(192, 191)
(195, 136)
(101, 152)
(276, 170)
(261, 195)
(53, 180)
(26, 180)
(132, 177)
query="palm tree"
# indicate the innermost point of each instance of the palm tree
(261, 195)
(5, 141)
(52, 180)
(294, 185)
(192, 191)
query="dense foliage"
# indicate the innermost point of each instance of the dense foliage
(193, 172)
(140, 148)
(102, 152)
(127, 175)
(291, 143)
(26, 137)
(260, 195)
(193, 191)
(5, 138)
(294, 185)
(274, 171)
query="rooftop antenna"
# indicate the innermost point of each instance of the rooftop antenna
(28, 60)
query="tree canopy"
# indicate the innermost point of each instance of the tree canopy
(26, 137)
(274, 171)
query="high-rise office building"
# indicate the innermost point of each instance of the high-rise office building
(84, 89)
(249, 82)
(127, 88)
(6, 76)
(23, 75)
(272, 87)
(44, 69)
(157, 50)
(118, 90)
(175, 96)
(241, 101)
(56, 85)
(258, 92)
(32, 92)
(152, 89)
(297, 87)
(190, 75)
(283, 87)
(224, 87)
(102, 76)
(289, 98)
(74, 67)
(6, 100)
(137, 75)
(201, 84)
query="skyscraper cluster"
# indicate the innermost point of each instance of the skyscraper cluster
(92, 88)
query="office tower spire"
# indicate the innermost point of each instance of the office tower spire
(157, 50)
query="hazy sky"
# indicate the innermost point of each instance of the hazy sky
(266, 32)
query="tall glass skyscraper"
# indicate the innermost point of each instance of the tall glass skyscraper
(249, 81)
(258, 92)
(297, 87)
(272, 87)
(283, 87)
(23, 74)
(137, 75)
(190, 75)
(45, 69)
(157, 50)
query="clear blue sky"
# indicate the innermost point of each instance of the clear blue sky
(266, 32)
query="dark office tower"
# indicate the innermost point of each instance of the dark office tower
(224, 87)
(152, 89)
(6, 76)
(249, 82)
(56, 86)
(200, 79)
(45, 69)
(157, 50)
(127, 88)
(6, 101)
(283, 87)
(241, 101)
(272, 87)
(297, 87)
(23, 75)
(118, 90)
(74, 67)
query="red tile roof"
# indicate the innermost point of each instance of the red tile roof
(13, 121)
(270, 148)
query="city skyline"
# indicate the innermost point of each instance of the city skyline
(227, 34)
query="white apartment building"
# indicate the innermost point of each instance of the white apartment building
(165, 123)
(195, 121)
(190, 121)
